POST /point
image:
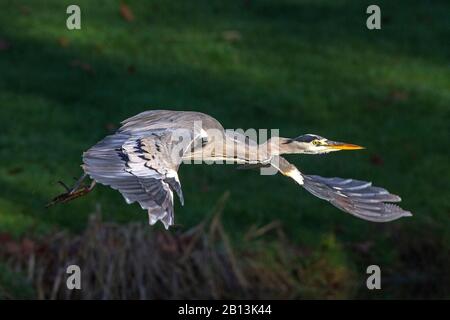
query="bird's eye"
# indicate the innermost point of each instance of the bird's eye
(316, 142)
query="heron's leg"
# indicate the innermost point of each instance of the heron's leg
(78, 190)
(77, 184)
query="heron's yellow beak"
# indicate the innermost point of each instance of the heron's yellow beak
(343, 146)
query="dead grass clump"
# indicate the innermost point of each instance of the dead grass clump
(134, 261)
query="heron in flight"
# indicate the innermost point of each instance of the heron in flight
(142, 158)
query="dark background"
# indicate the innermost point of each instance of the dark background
(300, 66)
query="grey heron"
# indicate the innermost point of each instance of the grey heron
(141, 161)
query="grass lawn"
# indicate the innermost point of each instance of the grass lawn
(300, 66)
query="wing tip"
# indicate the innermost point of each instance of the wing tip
(396, 214)
(407, 214)
(165, 216)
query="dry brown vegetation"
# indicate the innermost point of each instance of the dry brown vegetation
(137, 262)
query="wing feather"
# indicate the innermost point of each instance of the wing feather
(356, 197)
(137, 161)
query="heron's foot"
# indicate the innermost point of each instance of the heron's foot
(78, 190)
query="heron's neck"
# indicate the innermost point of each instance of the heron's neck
(280, 145)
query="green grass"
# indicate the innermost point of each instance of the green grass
(300, 66)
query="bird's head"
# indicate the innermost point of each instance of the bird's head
(314, 144)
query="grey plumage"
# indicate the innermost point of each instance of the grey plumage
(138, 161)
(356, 197)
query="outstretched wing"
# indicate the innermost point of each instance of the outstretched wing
(142, 165)
(356, 197)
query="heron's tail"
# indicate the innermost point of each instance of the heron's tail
(358, 198)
